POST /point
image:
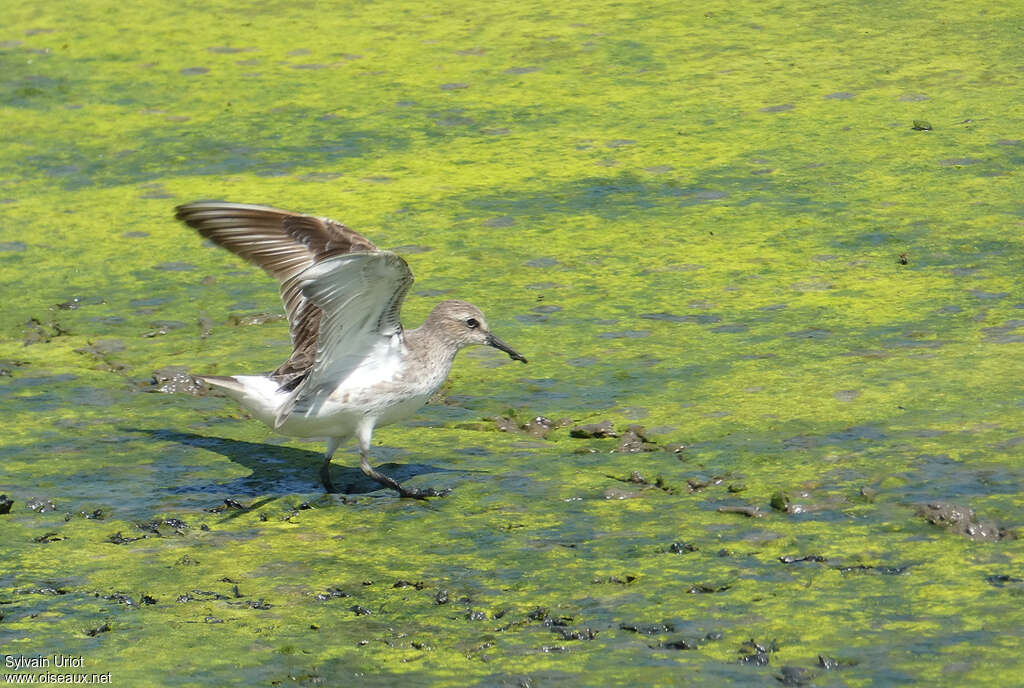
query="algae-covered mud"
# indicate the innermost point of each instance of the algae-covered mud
(764, 259)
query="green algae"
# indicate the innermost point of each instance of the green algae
(719, 222)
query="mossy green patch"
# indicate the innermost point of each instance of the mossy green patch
(724, 223)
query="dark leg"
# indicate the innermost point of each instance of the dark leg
(407, 492)
(325, 467)
(325, 476)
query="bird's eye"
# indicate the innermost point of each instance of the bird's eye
(472, 323)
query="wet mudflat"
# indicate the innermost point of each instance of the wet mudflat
(771, 428)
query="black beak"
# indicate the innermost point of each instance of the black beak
(498, 344)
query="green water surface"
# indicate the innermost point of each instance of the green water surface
(716, 220)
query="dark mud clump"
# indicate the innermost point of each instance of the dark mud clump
(103, 347)
(703, 588)
(648, 628)
(538, 426)
(124, 598)
(749, 511)
(634, 440)
(230, 503)
(699, 483)
(617, 580)
(408, 584)
(50, 537)
(162, 327)
(795, 676)
(36, 332)
(882, 570)
(831, 663)
(41, 505)
(176, 524)
(46, 590)
(781, 501)
(962, 520)
(253, 604)
(793, 559)
(93, 632)
(754, 653)
(637, 478)
(594, 430)
(201, 596)
(1002, 579)
(119, 539)
(177, 380)
(94, 515)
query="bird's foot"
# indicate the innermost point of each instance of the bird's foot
(405, 492)
(417, 493)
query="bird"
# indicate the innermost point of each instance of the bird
(353, 367)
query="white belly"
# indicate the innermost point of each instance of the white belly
(383, 394)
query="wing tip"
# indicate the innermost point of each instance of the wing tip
(220, 207)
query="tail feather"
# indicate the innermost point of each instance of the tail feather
(227, 383)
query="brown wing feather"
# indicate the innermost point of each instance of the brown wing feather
(284, 244)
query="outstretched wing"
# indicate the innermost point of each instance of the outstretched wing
(284, 244)
(360, 296)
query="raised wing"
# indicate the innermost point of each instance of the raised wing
(284, 244)
(360, 297)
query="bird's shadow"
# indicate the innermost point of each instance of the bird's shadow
(283, 470)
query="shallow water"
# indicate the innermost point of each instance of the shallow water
(717, 222)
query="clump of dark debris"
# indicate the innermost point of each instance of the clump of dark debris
(93, 632)
(962, 520)
(36, 332)
(594, 430)
(94, 515)
(41, 505)
(648, 628)
(795, 676)
(201, 596)
(177, 380)
(175, 524)
(633, 438)
(781, 501)
(119, 539)
(756, 654)
(750, 511)
(638, 478)
(681, 548)
(1001, 579)
(229, 503)
(537, 426)
(126, 599)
